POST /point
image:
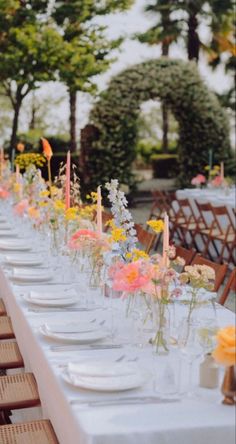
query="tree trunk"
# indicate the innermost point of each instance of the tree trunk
(164, 109)
(15, 126)
(193, 38)
(73, 144)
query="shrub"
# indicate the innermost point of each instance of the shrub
(202, 122)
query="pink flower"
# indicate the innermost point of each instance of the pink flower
(217, 181)
(82, 238)
(198, 180)
(176, 292)
(130, 277)
(21, 207)
(4, 194)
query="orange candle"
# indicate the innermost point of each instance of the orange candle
(99, 211)
(68, 180)
(166, 241)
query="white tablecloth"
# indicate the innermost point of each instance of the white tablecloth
(200, 420)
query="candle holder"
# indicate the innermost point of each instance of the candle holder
(228, 387)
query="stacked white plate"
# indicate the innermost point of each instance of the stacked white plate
(30, 275)
(52, 298)
(14, 245)
(104, 375)
(8, 233)
(74, 333)
(23, 259)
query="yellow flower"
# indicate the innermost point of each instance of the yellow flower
(44, 193)
(43, 203)
(71, 213)
(137, 254)
(93, 196)
(207, 167)
(156, 225)
(54, 191)
(16, 187)
(216, 167)
(59, 205)
(118, 234)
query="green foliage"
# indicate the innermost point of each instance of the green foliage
(146, 150)
(202, 123)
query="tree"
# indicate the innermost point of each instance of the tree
(86, 47)
(170, 27)
(29, 52)
(165, 32)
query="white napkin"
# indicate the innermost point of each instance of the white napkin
(31, 274)
(23, 259)
(102, 369)
(52, 295)
(72, 328)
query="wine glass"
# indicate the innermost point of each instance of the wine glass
(190, 348)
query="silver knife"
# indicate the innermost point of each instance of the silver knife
(58, 348)
(52, 310)
(124, 401)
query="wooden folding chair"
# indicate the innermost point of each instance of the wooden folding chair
(230, 286)
(3, 310)
(159, 205)
(187, 255)
(220, 269)
(33, 432)
(145, 238)
(208, 229)
(224, 232)
(184, 223)
(10, 356)
(6, 329)
(17, 391)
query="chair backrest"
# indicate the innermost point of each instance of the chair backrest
(159, 206)
(223, 219)
(206, 216)
(220, 269)
(230, 286)
(185, 212)
(145, 238)
(106, 217)
(187, 255)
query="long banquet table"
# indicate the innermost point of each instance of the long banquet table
(199, 420)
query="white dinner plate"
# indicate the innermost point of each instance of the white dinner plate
(14, 245)
(30, 275)
(50, 300)
(86, 337)
(25, 259)
(107, 383)
(9, 234)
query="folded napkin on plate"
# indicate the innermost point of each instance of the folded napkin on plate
(23, 259)
(52, 295)
(72, 328)
(14, 244)
(102, 369)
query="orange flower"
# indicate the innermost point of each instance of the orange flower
(225, 352)
(47, 150)
(20, 147)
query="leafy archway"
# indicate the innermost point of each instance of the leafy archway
(202, 122)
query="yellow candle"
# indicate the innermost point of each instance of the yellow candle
(99, 211)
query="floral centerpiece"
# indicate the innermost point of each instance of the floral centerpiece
(225, 354)
(198, 277)
(198, 180)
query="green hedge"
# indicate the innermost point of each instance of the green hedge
(202, 122)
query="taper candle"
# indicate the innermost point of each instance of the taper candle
(166, 241)
(222, 173)
(99, 210)
(68, 180)
(17, 173)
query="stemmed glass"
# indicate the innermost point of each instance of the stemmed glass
(190, 348)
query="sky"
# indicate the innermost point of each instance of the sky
(130, 53)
